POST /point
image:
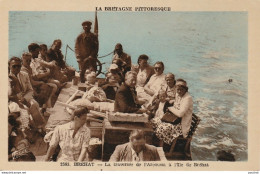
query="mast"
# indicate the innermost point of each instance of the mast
(96, 28)
(96, 24)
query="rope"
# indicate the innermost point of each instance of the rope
(98, 57)
(106, 55)
(70, 48)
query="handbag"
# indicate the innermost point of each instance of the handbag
(169, 117)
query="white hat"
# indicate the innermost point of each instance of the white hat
(91, 74)
(14, 107)
(113, 66)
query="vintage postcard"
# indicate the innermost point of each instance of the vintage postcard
(130, 86)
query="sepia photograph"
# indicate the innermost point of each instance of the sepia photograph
(135, 85)
(194, 59)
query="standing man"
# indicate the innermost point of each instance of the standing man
(86, 49)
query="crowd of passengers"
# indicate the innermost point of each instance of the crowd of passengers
(39, 75)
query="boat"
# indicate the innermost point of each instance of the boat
(108, 128)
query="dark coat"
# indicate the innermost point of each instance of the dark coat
(57, 56)
(123, 152)
(86, 45)
(124, 100)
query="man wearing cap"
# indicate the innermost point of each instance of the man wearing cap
(119, 54)
(86, 49)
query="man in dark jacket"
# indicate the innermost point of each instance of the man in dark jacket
(86, 50)
(125, 100)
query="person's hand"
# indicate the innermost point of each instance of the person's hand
(94, 99)
(90, 106)
(105, 86)
(46, 159)
(171, 101)
(149, 91)
(40, 82)
(19, 95)
(53, 63)
(20, 104)
(14, 154)
(141, 110)
(48, 71)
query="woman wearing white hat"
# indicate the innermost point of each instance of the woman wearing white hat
(167, 131)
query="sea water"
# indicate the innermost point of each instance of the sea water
(204, 48)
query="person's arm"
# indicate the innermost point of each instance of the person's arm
(82, 154)
(47, 64)
(116, 155)
(77, 48)
(53, 144)
(156, 155)
(28, 94)
(186, 104)
(84, 149)
(36, 83)
(147, 88)
(123, 102)
(129, 61)
(50, 152)
(150, 73)
(41, 75)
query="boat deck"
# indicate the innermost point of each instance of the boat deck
(60, 116)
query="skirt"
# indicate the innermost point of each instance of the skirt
(166, 132)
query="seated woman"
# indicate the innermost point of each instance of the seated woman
(156, 82)
(167, 131)
(73, 138)
(171, 88)
(144, 71)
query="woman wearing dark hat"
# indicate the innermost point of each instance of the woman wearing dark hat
(143, 69)
(167, 131)
(144, 72)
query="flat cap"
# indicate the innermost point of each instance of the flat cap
(86, 23)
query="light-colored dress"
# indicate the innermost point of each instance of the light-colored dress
(141, 77)
(155, 83)
(70, 147)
